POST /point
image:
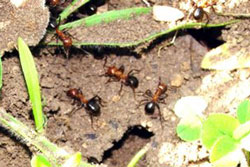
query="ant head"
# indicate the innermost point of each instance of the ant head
(150, 108)
(93, 107)
(73, 92)
(132, 81)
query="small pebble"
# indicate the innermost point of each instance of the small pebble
(177, 80)
(116, 98)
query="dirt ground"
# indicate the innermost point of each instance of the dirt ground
(123, 128)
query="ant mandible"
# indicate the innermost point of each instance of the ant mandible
(199, 11)
(152, 100)
(92, 105)
(117, 74)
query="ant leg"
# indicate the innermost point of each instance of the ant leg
(134, 93)
(74, 110)
(100, 100)
(159, 110)
(122, 68)
(133, 71)
(91, 120)
(105, 61)
(142, 102)
(112, 79)
(162, 97)
(66, 51)
(148, 93)
(120, 89)
(207, 17)
(145, 94)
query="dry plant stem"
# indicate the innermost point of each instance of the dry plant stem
(236, 15)
(34, 140)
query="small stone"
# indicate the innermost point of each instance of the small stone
(185, 66)
(116, 98)
(177, 80)
(148, 78)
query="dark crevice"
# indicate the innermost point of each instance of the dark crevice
(209, 37)
(139, 131)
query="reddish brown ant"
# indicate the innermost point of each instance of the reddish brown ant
(152, 100)
(92, 105)
(199, 11)
(117, 74)
(53, 3)
(65, 38)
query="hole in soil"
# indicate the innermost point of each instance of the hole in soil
(209, 37)
(123, 150)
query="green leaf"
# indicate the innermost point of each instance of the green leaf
(241, 131)
(32, 82)
(40, 161)
(215, 126)
(189, 129)
(73, 161)
(225, 152)
(243, 111)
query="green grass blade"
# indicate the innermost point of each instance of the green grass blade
(107, 17)
(32, 82)
(75, 4)
(138, 156)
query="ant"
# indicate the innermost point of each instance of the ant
(199, 11)
(92, 105)
(53, 3)
(152, 100)
(117, 74)
(66, 39)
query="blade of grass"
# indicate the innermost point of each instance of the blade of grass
(138, 156)
(106, 17)
(75, 4)
(32, 82)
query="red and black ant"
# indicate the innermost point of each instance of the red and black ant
(65, 38)
(53, 3)
(117, 74)
(152, 100)
(92, 105)
(199, 11)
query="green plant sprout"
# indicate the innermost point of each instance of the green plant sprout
(138, 156)
(32, 82)
(40, 161)
(226, 137)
